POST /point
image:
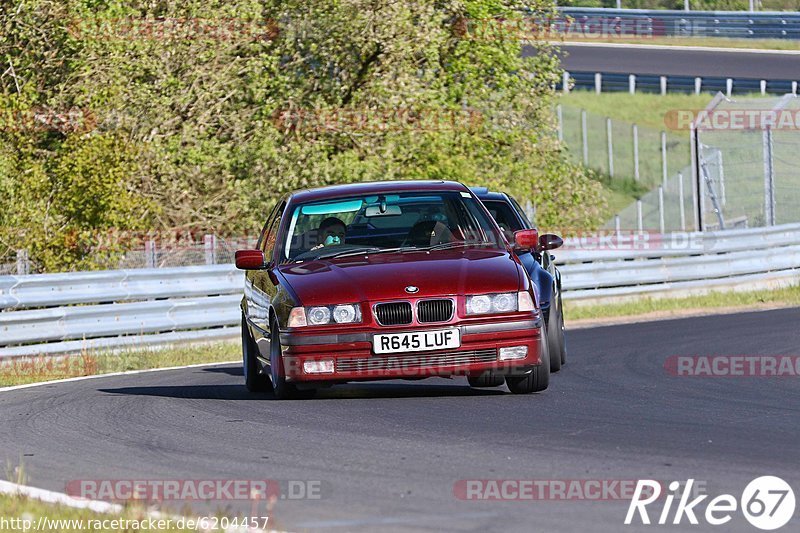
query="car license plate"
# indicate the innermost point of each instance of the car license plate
(417, 341)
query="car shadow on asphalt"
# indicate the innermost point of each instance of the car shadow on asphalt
(350, 391)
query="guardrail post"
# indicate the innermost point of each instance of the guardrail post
(639, 219)
(728, 87)
(560, 125)
(584, 138)
(794, 88)
(698, 82)
(632, 83)
(769, 178)
(210, 249)
(565, 82)
(610, 148)
(598, 82)
(763, 87)
(23, 263)
(661, 222)
(664, 158)
(682, 201)
(635, 135)
(150, 254)
(663, 81)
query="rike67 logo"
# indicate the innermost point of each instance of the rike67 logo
(767, 502)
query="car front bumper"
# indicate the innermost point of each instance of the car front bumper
(353, 357)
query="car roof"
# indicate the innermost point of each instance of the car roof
(484, 193)
(375, 187)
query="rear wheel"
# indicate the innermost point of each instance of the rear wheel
(538, 378)
(282, 389)
(555, 336)
(254, 377)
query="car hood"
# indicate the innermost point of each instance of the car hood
(385, 276)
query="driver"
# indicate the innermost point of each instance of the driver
(331, 233)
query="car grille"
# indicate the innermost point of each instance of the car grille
(434, 310)
(393, 313)
(402, 361)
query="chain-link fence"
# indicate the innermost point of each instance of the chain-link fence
(156, 253)
(748, 155)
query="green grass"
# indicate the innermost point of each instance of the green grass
(787, 297)
(47, 368)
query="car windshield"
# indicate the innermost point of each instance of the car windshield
(381, 223)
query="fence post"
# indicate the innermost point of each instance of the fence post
(664, 158)
(661, 221)
(697, 208)
(686, 6)
(584, 138)
(632, 83)
(635, 152)
(150, 254)
(769, 178)
(23, 263)
(682, 201)
(598, 82)
(610, 148)
(663, 80)
(210, 249)
(721, 172)
(560, 118)
(639, 220)
(618, 227)
(565, 82)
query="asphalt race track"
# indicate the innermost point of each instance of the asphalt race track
(388, 454)
(680, 62)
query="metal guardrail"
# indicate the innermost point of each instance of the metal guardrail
(650, 264)
(667, 23)
(67, 313)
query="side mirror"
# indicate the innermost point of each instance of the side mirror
(549, 241)
(249, 259)
(525, 239)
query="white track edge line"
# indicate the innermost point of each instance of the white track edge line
(112, 374)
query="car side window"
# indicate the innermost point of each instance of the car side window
(271, 233)
(528, 223)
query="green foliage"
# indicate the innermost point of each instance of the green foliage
(200, 114)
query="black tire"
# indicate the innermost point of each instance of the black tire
(487, 379)
(254, 377)
(554, 338)
(562, 332)
(281, 389)
(538, 378)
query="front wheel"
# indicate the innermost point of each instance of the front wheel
(254, 378)
(538, 378)
(282, 389)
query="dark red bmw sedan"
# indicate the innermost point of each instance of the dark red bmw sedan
(388, 280)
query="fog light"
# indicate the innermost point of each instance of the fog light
(513, 352)
(318, 367)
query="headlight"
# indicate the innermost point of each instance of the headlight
(318, 315)
(504, 302)
(324, 314)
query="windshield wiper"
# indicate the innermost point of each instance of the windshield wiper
(455, 244)
(345, 253)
